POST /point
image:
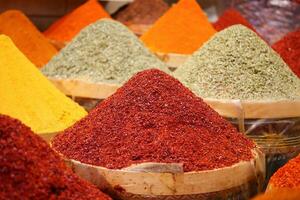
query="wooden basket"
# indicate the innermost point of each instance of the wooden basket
(239, 181)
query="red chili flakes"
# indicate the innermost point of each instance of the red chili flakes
(154, 118)
(288, 176)
(30, 169)
(289, 49)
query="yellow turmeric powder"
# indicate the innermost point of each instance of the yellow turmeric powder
(26, 37)
(182, 29)
(27, 95)
(64, 29)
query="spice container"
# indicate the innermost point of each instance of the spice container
(276, 133)
(168, 181)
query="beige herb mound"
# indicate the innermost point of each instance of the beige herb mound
(236, 64)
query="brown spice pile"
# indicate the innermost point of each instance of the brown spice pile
(154, 118)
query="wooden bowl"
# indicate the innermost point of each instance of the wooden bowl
(168, 181)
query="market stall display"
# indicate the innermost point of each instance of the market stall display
(28, 96)
(246, 81)
(26, 37)
(30, 169)
(155, 139)
(66, 28)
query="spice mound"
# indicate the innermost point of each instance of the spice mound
(26, 37)
(286, 194)
(142, 12)
(154, 118)
(231, 17)
(289, 49)
(105, 52)
(28, 96)
(237, 64)
(182, 29)
(30, 169)
(287, 176)
(64, 29)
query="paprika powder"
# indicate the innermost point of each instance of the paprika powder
(289, 49)
(30, 169)
(64, 29)
(154, 118)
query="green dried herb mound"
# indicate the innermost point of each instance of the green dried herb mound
(106, 52)
(236, 64)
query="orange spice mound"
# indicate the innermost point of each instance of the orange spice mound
(182, 29)
(64, 29)
(231, 17)
(286, 194)
(26, 37)
(287, 176)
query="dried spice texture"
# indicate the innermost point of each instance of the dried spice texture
(27, 95)
(237, 64)
(154, 118)
(26, 37)
(289, 49)
(64, 29)
(105, 52)
(30, 169)
(231, 17)
(142, 12)
(182, 29)
(287, 176)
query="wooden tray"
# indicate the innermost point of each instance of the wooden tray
(255, 110)
(173, 60)
(79, 88)
(179, 185)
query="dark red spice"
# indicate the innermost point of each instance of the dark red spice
(142, 12)
(289, 49)
(154, 118)
(287, 176)
(30, 169)
(231, 17)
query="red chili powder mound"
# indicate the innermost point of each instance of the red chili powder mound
(154, 118)
(231, 17)
(64, 29)
(30, 169)
(287, 176)
(289, 49)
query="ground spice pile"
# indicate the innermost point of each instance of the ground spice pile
(289, 49)
(287, 176)
(30, 169)
(105, 51)
(182, 29)
(231, 17)
(28, 96)
(286, 194)
(238, 64)
(27, 37)
(64, 29)
(154, 118)
(142, 12)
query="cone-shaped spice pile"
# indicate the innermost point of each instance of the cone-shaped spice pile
(27, 37)
(28, 96)
(182, 29)
(287, 176)
(142, 12)
(238, 64)
(104, 52)
(30, 169)
(64, 29)
(289, 49)
(154, 118)
(231, 17)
